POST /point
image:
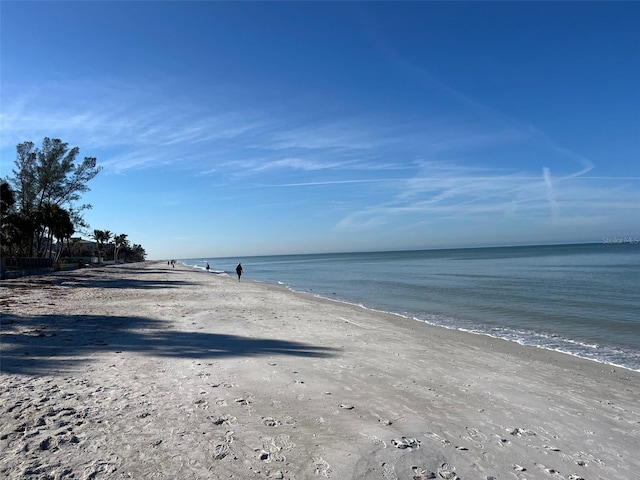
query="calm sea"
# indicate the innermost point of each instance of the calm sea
(579, 299)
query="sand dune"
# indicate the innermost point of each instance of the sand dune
(147, 371)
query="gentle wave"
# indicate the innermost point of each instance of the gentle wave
(597, 353)
(581, 300)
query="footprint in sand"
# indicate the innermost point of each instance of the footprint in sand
(422, 474)
(589, 457)
(375, 440)
(288, 421)
(447, 472)
(550, 447)
(322, 467)
(98, 468)
(270, 422)
(220, 451)
(476, 437)
(522, 432)
(227, 420)
(404, 443)
(272, 448)
(550, 471)
(388, 472)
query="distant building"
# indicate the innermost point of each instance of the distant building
(81, 248)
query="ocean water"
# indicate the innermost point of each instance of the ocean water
(579, 299)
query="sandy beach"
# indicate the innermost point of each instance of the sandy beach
(148, 371)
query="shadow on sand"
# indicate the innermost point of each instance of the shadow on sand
(69, 280)
(50, 344)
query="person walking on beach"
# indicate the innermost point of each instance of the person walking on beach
(208, 266)
(239, 270)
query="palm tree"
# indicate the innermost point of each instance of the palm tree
(58, 225)
(119, 242)
(107, 239)
(102, 237)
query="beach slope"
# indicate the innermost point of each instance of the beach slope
(148, 371)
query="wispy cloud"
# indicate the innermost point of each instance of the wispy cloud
(328, 183)
(138, 127)
(546, 173)
(456, 193)
(135, 128)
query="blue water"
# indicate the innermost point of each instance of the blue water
(578, 299)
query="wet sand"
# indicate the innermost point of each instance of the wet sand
(147, 371)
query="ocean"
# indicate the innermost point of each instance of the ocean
(579, 299)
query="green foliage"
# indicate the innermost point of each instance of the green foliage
(47, 181)
(39, 203)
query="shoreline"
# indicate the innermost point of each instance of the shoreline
(461, 329)
(142, 370)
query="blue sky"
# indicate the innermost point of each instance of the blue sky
(241, 128)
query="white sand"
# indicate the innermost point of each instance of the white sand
(145, 371)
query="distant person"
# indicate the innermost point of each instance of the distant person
(239, 271)
(208, 266)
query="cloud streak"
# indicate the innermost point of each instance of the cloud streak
(136, 128)
(454, 193)
(546, 173)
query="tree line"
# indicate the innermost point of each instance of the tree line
(39, 211)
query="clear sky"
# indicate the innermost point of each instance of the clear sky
(241, 128)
